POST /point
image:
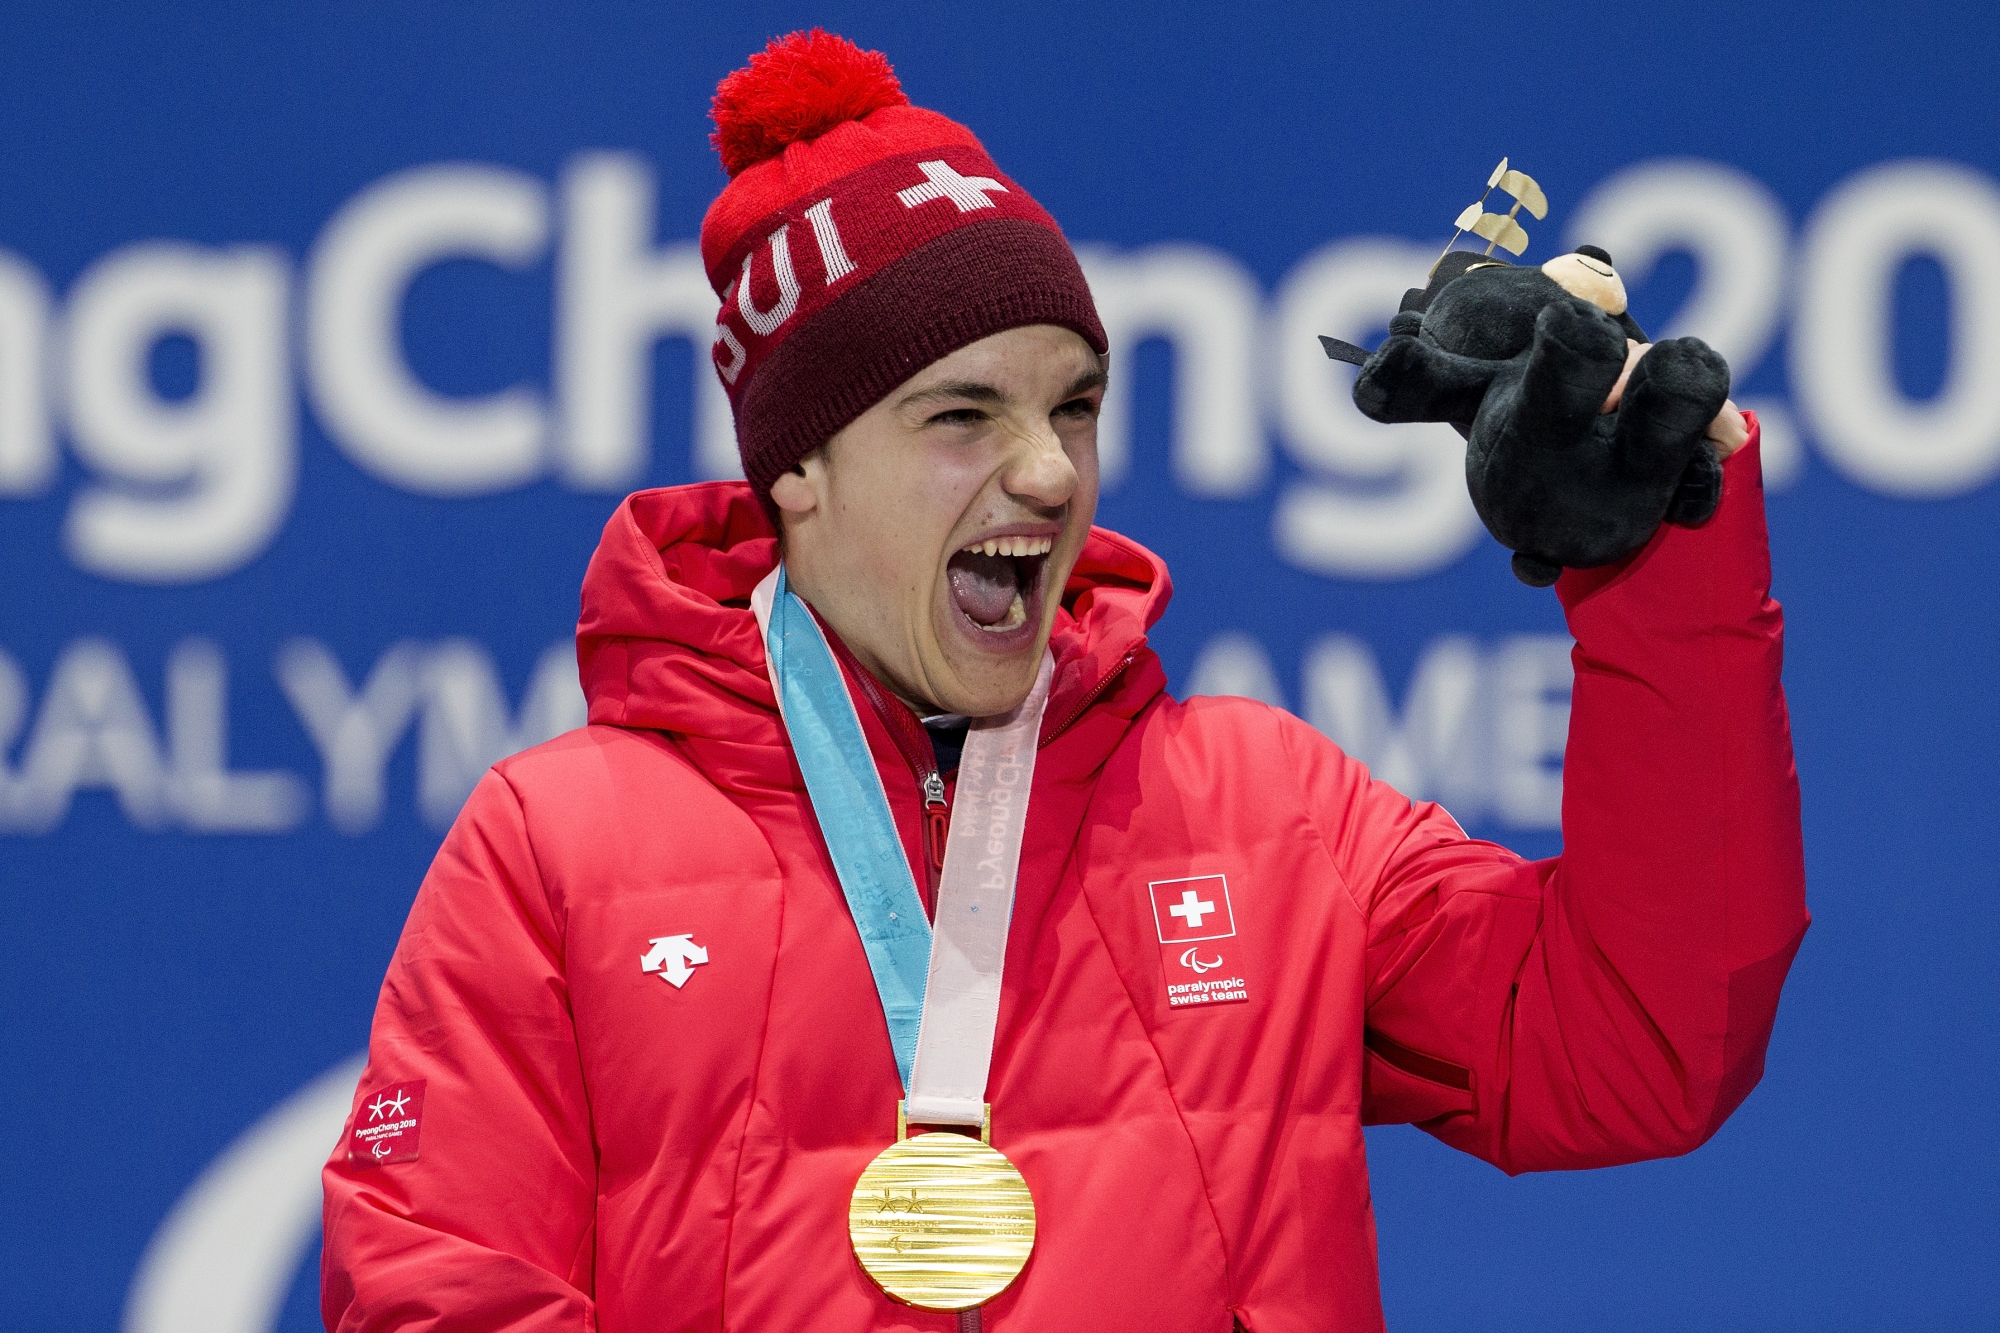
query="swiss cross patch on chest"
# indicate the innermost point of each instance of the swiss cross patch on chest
(1196, 925)
(386, 1124)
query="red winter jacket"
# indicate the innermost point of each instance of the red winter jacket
(601, 1149)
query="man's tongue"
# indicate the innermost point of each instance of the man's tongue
(984, 586)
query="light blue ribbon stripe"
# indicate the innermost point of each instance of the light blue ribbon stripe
(854, 816)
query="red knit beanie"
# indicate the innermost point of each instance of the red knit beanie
(859, 239)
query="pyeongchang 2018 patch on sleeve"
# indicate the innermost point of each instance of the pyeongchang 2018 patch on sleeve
(386, 1125)
(1196, 925)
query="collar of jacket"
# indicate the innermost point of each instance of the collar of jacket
(667, 641)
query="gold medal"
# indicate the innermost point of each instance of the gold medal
(942, 1221)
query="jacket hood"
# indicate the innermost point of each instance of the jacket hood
(667, 641)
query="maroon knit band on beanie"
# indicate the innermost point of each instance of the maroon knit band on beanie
(859, 239)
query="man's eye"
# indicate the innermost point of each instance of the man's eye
(958, 416)
(1077, 409)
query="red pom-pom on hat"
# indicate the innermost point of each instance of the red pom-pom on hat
(794, 90)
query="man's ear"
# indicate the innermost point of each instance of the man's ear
(798, 492)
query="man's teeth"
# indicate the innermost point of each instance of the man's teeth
(1013, 546)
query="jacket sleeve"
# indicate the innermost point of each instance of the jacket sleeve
(1614, 1003)
(490, 1227)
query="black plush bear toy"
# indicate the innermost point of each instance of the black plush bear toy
(1521, 361)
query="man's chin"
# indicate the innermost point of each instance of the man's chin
(992, 703)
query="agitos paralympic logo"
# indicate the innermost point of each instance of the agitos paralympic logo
(1191, 918)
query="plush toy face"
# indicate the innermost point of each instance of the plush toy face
(1588, 273)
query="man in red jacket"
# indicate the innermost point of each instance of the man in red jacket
(654, 1014)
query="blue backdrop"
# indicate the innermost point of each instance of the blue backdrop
(330, 335)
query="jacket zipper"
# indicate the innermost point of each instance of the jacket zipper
(1091, 696)
(937, 826)
(937, 812)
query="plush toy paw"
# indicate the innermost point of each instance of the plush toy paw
(1671, 399)
(1586, 336)
(1407, 379)
(1381, 391)
(1682, 382)
(1577, 354)
(1700, 493)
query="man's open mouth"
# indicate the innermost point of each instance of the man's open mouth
(997, 583)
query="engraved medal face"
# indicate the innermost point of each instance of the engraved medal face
(942, 1221)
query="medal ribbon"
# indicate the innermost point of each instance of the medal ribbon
(940, 990)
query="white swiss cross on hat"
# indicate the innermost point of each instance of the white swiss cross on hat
(1185, 910)
(941, 182)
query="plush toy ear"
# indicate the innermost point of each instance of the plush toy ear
(1453, 264)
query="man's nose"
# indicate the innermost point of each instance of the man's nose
(1039, 472)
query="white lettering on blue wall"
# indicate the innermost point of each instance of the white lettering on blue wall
(92, 730)
(190, 489)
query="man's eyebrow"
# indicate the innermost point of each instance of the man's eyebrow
(1095, 378)
(959, 389)
(978, 392)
